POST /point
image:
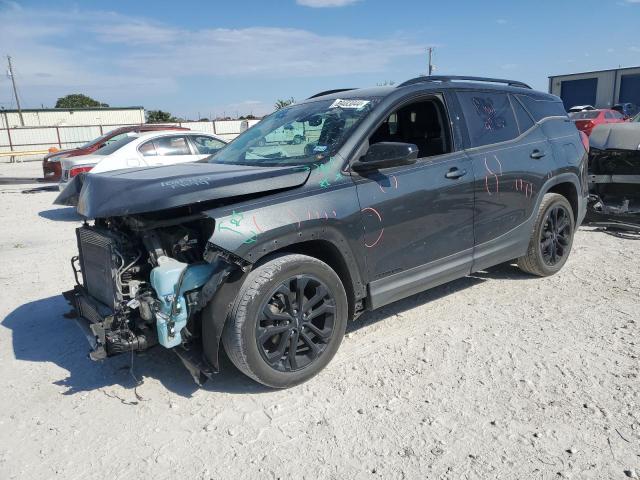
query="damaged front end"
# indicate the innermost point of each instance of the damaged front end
(140, 284)
(614, 177)
(614, 187)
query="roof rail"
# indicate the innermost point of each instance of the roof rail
(329, 92)
(450, 78)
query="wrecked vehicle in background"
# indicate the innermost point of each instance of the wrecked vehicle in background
(614, 176)
(268, 250)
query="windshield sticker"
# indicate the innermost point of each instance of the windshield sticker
(354, 104)
(320, 148)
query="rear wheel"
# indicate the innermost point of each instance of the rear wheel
(552, 237)
(288, 321)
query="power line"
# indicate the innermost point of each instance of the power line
(15, 90)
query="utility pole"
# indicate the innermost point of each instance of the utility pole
(15, 90)
(430, 50)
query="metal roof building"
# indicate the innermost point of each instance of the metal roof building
(602, 89)
(57, 117)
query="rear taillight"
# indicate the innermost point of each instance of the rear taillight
(76, 170)
(585, 140)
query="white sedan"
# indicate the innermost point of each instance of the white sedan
(144, 149)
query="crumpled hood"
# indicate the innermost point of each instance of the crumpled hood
(616, 136)
(140, 190)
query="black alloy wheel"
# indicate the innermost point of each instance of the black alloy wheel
(296, 323)
(555, 237)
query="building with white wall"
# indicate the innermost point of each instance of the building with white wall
(59, 117)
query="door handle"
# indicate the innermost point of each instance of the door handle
(538, 154)
(455, 173)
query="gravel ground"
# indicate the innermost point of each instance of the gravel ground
(497, 375)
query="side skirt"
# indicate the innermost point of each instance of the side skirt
(418, 279)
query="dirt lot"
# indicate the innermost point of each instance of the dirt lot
(498, 375)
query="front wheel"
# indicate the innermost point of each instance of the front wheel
(287, 322)
(552, 237)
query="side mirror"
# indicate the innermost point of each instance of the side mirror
(386, 155)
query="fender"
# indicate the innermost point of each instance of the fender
(250, 231)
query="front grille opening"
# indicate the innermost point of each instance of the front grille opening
(98, 261)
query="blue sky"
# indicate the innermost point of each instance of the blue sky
(211, 57)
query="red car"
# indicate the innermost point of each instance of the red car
(587, 121)
(52, 168)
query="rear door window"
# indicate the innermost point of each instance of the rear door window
(489, 117)
(206, 145)
(166, 146)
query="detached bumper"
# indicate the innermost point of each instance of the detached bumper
(98, 323)
(93, 318)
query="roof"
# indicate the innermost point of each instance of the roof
(426, 86)
(616, 136)
(26, 110)
(596, 71)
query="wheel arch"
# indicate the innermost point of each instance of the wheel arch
(569, 191)
(215, 315)
(328, 253)
(568, 185)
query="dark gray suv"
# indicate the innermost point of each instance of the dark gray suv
(269, 249)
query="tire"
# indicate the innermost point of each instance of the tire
(297, 140)
(262, 142)
(265, 322)
(548, 252)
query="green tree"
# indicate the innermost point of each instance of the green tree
(78, 100)
(158, 116)
(284, 103)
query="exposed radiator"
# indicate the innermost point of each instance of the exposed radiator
(99, 264)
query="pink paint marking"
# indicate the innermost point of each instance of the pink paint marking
(293, 216)
(381, 231)
(493, 174)
(395, 181)
(256, 224)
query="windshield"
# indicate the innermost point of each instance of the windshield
(585, 115)
(297, 135)
(112, 147)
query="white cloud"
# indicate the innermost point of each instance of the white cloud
(325, 3)
(502, 21)
(89, 48)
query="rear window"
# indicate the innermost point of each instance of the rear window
(524, 120)
(489, 117)
(112, 147)
(585, 115)
(541, 109)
